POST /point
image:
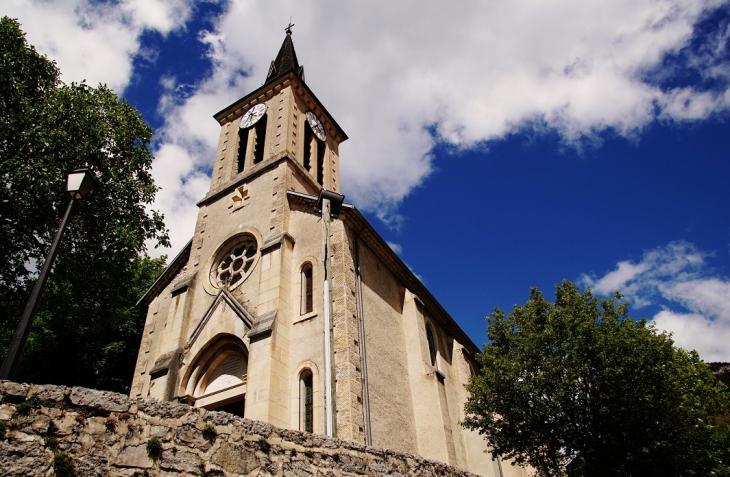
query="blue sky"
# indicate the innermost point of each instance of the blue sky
(496, 146)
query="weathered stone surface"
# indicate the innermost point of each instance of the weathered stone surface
(13, 392)
(23, 457)
(40, 424)
(236, 459)
(353, 464)
(257, 427)
(68, 423)
(224, 419)
(116, 445)
(181, 461)
(48, 391)
(191, 437)
(7, 411)
(134, 456)
(166, 410)
(99, 400)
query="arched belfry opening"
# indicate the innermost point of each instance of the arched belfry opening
(217, 378)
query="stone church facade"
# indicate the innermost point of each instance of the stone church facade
(288, 307)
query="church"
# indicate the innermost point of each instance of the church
(287, 306)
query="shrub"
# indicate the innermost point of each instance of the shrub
(209, 431)
(31, 403)
(63, 465)
(264, 445)
(111, 423)
(154, 447)
(50, 442)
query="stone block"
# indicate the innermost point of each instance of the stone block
(99, 400)
(13, 392)
(236, 459)
(167, 410)
(49, 391)
(180, 461)
(134, 456)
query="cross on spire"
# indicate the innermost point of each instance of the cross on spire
(286, 60)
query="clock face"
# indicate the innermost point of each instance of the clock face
(253, 115)
(316, 125)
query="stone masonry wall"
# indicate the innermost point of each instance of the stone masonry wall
(46, 429)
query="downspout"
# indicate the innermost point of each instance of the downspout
(363, 353)
(328, 361)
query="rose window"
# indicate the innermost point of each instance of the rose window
(235, 264)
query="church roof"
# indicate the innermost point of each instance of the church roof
(367, 233)
(285, 61)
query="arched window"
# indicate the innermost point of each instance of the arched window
(306, 401)
(307, 305)
(308, 140)
(314, 148)
(320, 162)
(431, 345)
(222, 365)
(258, 148)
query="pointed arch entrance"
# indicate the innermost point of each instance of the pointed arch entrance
(217, 378)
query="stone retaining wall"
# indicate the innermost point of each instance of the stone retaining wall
(47, 429)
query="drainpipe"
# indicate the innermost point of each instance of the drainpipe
(363, 353)
(328, 341)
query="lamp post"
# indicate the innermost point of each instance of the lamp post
(78, 184)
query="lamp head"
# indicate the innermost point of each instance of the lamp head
(80, 182)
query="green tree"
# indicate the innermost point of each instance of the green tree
(48, 128)
(576, 387)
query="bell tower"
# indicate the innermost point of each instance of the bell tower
(281, 119)
(236, 321)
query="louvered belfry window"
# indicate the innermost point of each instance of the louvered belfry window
(320, 162)
(242, 145)
(258, 150)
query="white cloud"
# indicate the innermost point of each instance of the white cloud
(474, 71)
(95, 41)
(470, 71)
(698, 310)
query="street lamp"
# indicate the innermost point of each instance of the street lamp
(78, 184)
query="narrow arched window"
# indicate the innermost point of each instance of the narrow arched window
(258, 148)
(306, 401)
(308, 140)
(320, 162)
(242, 146)
(307, 301)
(431, 345)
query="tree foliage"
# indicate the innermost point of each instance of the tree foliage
(576, 387)
(48, 128)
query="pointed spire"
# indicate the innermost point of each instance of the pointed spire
(286, 60)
